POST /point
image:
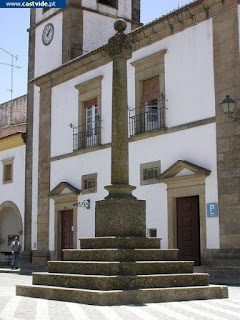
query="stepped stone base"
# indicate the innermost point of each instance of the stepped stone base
(114, 298)
(109, 271)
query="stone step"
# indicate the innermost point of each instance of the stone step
(119, 297)
(120, 243)
(97, 282)
(120, 255)
(120, 268)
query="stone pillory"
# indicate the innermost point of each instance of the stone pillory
(120, 265)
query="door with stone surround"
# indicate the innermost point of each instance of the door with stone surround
(67, 229)
(188, 229)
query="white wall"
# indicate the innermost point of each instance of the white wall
(197, 145)
(97, 29)
(14, 191)
(48, 57)
(65, 110)
(71, 170)
(189, 86)
(189, 74)
(189, 81)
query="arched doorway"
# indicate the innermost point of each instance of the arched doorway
(10, 225)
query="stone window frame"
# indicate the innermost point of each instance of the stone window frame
(91, 176)
(114, 5)
(5, 163)
(147, 68)
(89, 90)
(146, 166)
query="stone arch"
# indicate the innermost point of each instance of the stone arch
(10, 224)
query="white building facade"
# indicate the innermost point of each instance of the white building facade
(174, 120)
(12, 174)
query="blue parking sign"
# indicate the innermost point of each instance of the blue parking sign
(212, 210)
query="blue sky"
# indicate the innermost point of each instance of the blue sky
(14, 38)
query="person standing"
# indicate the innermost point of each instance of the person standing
(15, 248)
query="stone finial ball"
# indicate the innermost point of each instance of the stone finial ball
(120, 25)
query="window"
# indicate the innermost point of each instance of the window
(89, 183)
(7, 171)
(112, 3)
(149, 172)
(88, 131)
(150, 107)
(152, 233)
(149, 112)
(91, 124)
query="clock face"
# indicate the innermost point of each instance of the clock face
(47, 34)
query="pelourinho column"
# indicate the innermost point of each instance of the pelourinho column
(120, 49)
(120, 214)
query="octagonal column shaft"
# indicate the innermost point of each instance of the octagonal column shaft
(120, 50)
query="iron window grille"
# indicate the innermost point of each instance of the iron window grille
(86, 135)
(148, 117)
(89, 184)
(150, 173)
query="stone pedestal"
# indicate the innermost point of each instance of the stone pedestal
(120, 218)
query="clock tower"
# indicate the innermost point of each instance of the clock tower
(57, 36)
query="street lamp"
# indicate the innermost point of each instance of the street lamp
(228, 106)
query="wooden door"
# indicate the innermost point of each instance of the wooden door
(188, 229)
(67, 229)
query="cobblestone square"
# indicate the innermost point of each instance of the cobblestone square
(13, 307)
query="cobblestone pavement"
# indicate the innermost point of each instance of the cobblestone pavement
(13, 307)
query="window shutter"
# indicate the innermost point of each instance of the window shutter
(150, 89)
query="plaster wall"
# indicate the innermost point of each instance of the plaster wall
(97, 29)
(14, 191)
(65, 110)
(189, 86)
(71, 170)
(189, 74)
(35, 167)
(194, 145)
(48, 57)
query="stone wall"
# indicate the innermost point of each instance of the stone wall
(227, 80)
(13, 112)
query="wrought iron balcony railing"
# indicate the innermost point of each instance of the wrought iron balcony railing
(148, 117)
(86, 135)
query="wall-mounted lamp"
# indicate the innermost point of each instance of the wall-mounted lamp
(229, 108)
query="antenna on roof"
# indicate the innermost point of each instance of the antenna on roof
(13, 57)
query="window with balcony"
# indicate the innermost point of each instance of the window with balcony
(149, 111)
(88, 132)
